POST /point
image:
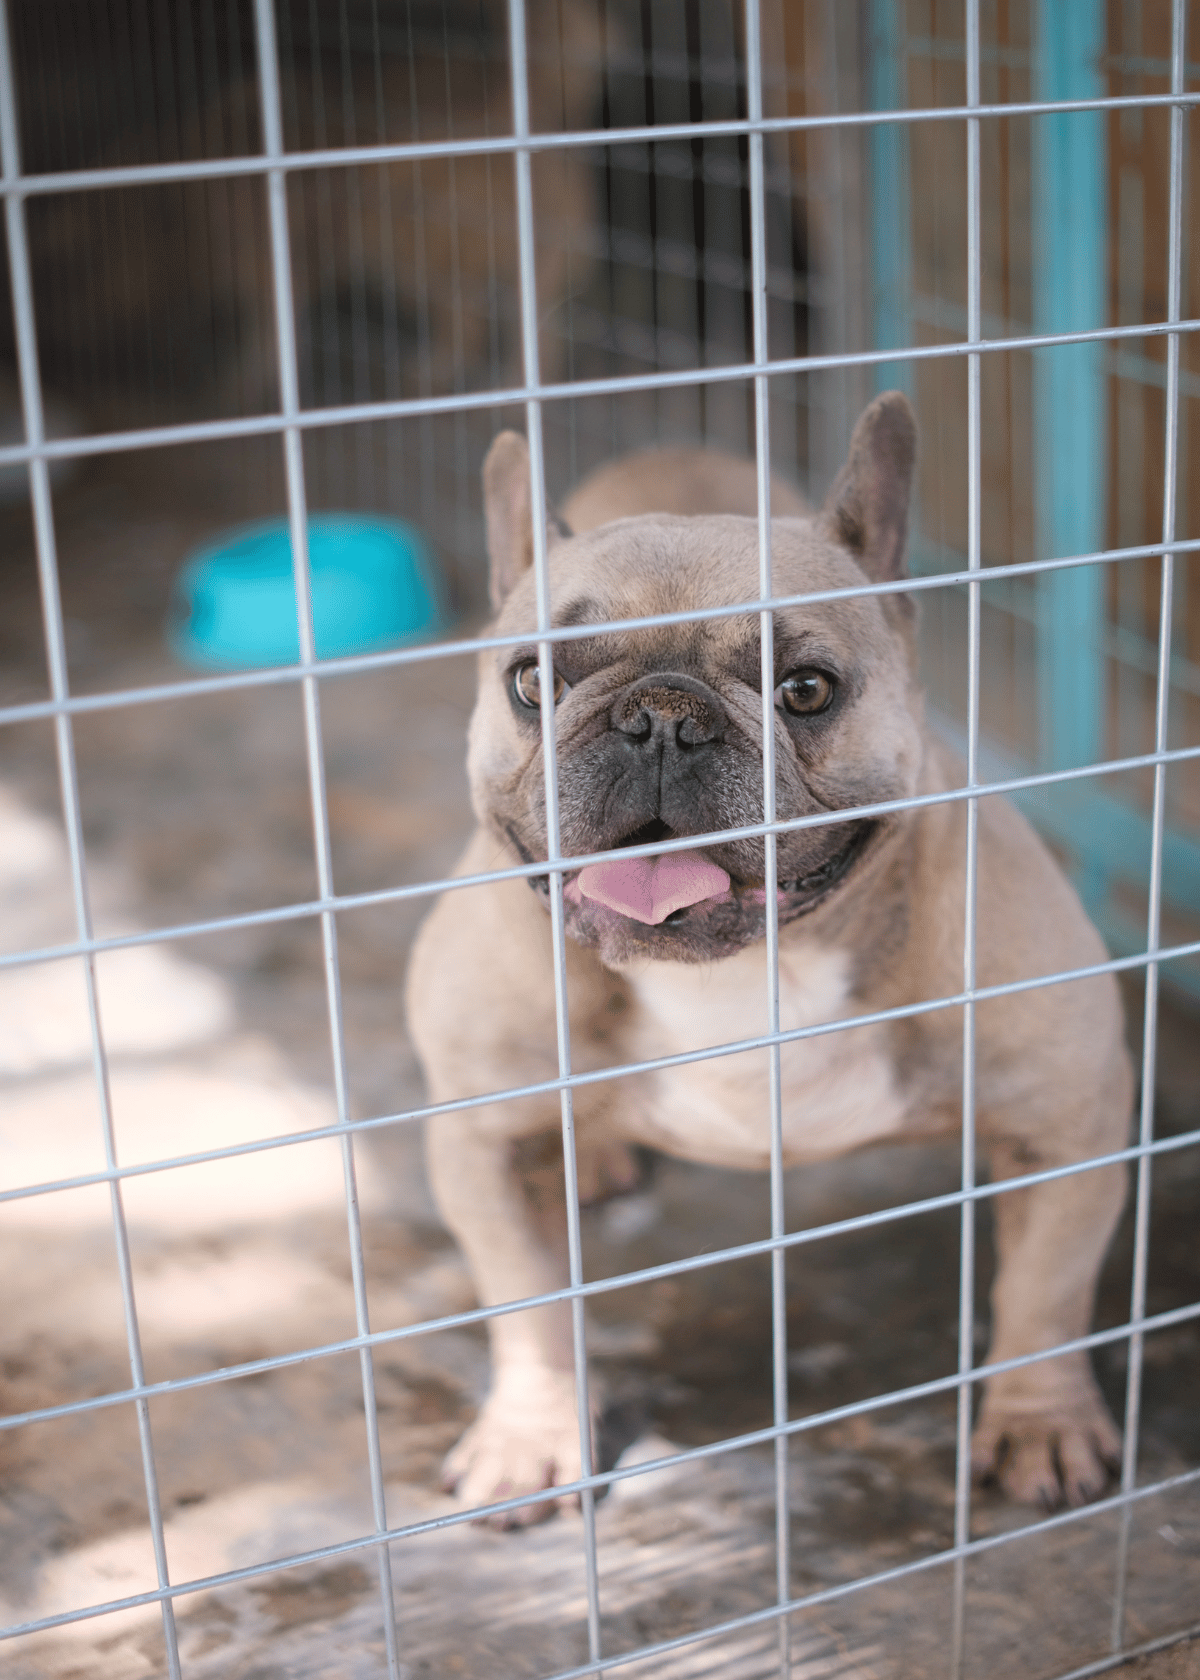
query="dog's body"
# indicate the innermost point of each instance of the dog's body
(659, 735)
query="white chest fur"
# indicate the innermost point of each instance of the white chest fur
(838, 1088)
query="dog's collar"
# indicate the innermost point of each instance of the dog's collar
(807, 891)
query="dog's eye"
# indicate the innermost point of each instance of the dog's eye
(806, 692)
(527, 685)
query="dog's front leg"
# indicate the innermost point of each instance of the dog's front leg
(526, 1436)
(1044, 1430)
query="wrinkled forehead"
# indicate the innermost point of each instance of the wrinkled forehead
(641, 568)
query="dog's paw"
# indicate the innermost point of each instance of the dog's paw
(1049, 1457)
(525, 1440)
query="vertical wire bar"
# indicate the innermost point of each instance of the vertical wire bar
(966, 1298)
(57, 671)
(762, 446)
(526, 249)
(1141, 1240)
(289, 389)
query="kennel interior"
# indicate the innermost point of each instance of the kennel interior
(1076, 236)
(223, 1416)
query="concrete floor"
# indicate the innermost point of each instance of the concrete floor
(201, 808)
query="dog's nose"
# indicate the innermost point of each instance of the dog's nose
(669, 709)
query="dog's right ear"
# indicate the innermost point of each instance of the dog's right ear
(507, 509)
(866, 509)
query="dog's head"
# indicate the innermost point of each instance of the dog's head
(659, 731)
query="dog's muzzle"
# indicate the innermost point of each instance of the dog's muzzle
(669, 712)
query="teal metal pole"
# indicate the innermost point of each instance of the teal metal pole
(1070, 247)
(891, 221)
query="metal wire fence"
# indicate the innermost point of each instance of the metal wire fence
(274, 166)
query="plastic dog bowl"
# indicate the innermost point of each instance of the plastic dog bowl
(234, 603)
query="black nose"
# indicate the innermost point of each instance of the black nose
(669, 709)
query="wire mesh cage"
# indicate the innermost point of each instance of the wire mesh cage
(1076, 238)
(271, 259)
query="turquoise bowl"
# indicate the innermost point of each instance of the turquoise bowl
(234, 603)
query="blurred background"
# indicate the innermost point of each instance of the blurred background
(154, 305)
(154, 308)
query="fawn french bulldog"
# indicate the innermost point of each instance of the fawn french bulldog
(659, 736)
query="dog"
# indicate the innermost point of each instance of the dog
(659, 736)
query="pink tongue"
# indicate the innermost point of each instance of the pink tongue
(650, 888)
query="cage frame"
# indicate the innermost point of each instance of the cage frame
(273, 166)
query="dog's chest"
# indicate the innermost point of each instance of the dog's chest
(838, 1089)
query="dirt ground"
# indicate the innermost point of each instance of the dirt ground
(200, 808)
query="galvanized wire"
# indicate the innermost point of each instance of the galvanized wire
(56, 661)
(1141, 1244)
(289, 388)
(275, 166)
(258, 425)
(966, 1271)
(425, 889)
(545, 657)
(345, 1548)
(766, 630)
(347, 157)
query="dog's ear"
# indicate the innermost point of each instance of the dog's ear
(506, 506)
(866, 509)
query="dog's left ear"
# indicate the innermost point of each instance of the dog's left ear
(506, 506)
(866, 509)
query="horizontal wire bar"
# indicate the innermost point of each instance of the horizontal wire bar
(1119, 1658)
(86, 180)
(318, 1134)
(351, 414)
(944, 316)
(345, 1548)
(420, 151)
(827, 1595)
(596, 1076)
(359, 664)
(654, 1274)
(33, 711)
(525, 871)
(603, 1075)
(83, 180)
